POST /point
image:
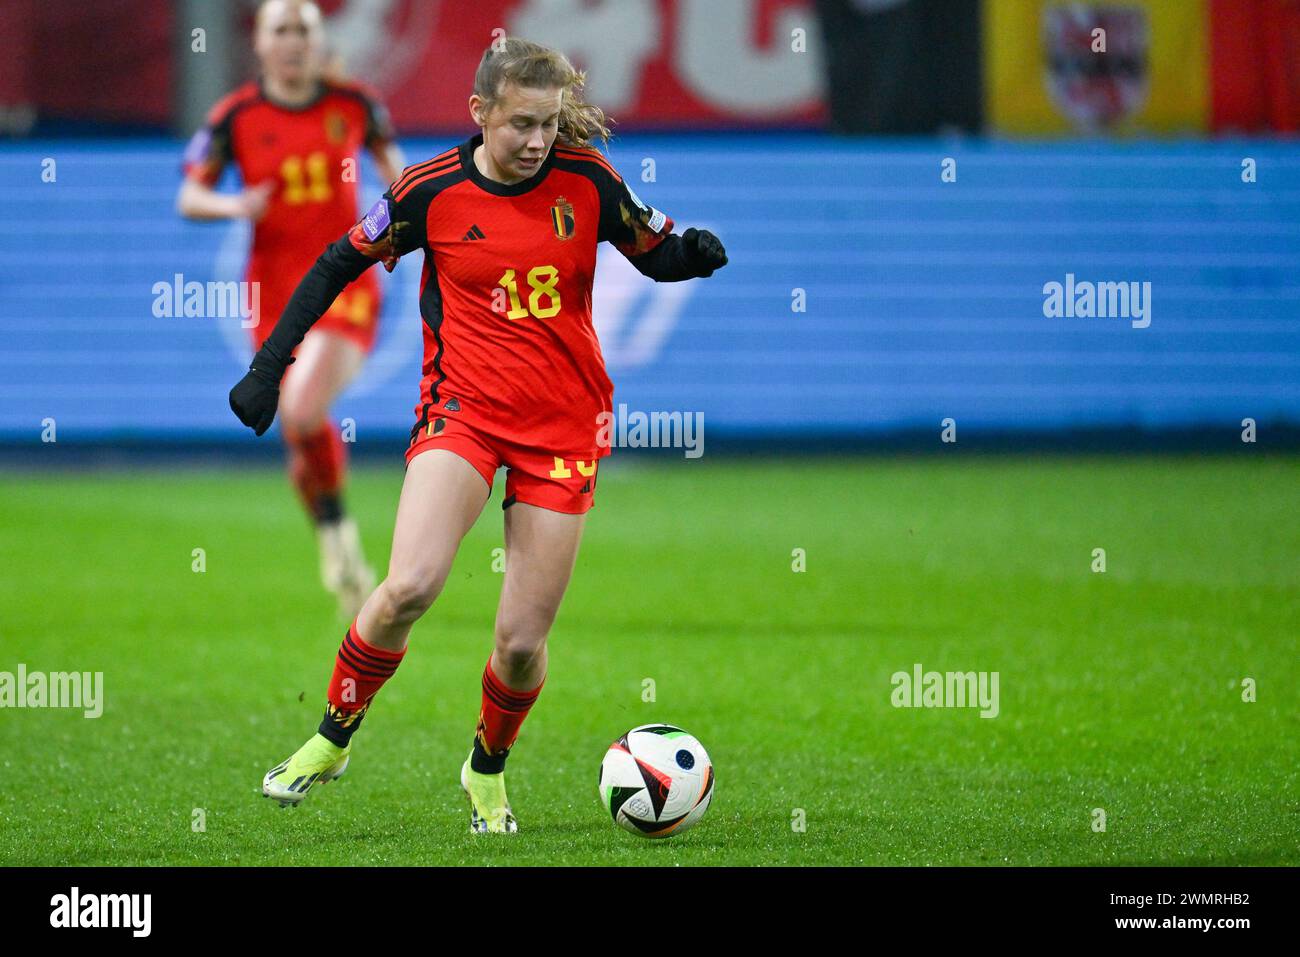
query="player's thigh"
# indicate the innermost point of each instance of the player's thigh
(442, 495)
(541, 549)
(325, 364)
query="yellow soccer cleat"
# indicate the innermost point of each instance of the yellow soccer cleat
(319, 761)
(489, 811)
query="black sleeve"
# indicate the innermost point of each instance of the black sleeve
(407, 222)
(632, 227)
(640, 232)
(386, 233)
(379, 125)
(667, 262)
(392, 227)
(339, 265)
(209, 149)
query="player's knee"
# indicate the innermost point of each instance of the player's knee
(517, 659)
(408, 596)
(299, 415)
(518, 641)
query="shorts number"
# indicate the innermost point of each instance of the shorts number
(562, 471)
(542, 280)
(354, 306)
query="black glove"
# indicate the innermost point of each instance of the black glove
(255, 397)
(704, 251)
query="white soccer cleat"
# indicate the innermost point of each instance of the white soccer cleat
(343, 568)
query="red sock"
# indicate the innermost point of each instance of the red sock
(317, 464)
(360, 670)
(502, 712)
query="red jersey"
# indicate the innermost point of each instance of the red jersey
(310, 152)
(509, 346)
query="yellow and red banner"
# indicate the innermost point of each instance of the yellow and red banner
(1055, 67)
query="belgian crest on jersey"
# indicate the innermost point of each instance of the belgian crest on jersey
(562, 218)
(336, 127)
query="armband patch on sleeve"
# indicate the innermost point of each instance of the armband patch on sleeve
(197, 149)
(652, 218)
(204, 157)
(376, 221)
(646, 229)
(376, 236)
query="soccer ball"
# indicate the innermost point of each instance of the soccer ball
(656, 780)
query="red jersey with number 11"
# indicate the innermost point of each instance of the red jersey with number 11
(305, 152)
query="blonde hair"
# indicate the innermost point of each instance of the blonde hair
(308, 9)
(531, 65)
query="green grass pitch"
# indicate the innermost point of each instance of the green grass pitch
(1119, 690)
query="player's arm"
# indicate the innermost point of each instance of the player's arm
(645, 236)
(206, 156)
(381, 140)
(695, 254)
(382, 235)
(199, 202)
(388, 161)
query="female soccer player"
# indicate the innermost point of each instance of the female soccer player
(508, 222)
(294, 136)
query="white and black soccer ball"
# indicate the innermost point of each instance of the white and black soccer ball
(656, 780)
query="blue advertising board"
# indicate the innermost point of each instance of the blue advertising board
(874, 285)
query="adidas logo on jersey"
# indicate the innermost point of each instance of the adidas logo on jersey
(474, 233)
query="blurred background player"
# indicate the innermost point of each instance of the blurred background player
(294, 135)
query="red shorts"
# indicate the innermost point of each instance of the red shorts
(532, 476)
(354, 314)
